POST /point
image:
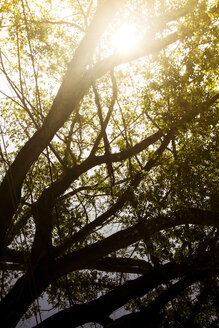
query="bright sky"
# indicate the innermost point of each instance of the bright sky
(125, 39)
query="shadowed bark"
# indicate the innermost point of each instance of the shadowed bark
(43, 235)
(99, 310)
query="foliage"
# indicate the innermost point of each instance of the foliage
(109, 192)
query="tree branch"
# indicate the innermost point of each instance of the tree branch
(126, 196)
(69, 95)
(118, 264)
(145, 229)
(100, 309)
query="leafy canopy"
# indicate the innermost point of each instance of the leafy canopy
(109, 190)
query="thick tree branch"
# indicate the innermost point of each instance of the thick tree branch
(148, 316)
(48, 271)
(70, 93)
(47, 263)
(11, 255)
(49, 196)
(125, 265)
(75, 84)
(100, 309)
(11, 267)
(144, 229)
(126, 196)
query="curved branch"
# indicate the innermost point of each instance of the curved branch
(149, 315)
(119, 264)
(72, 90)
(75, 84)
(86, 256)
(48, 270)
(100, 309)
(126, 196)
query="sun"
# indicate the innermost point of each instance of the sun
(125, 38)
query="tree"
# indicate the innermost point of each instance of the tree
(109, 162)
